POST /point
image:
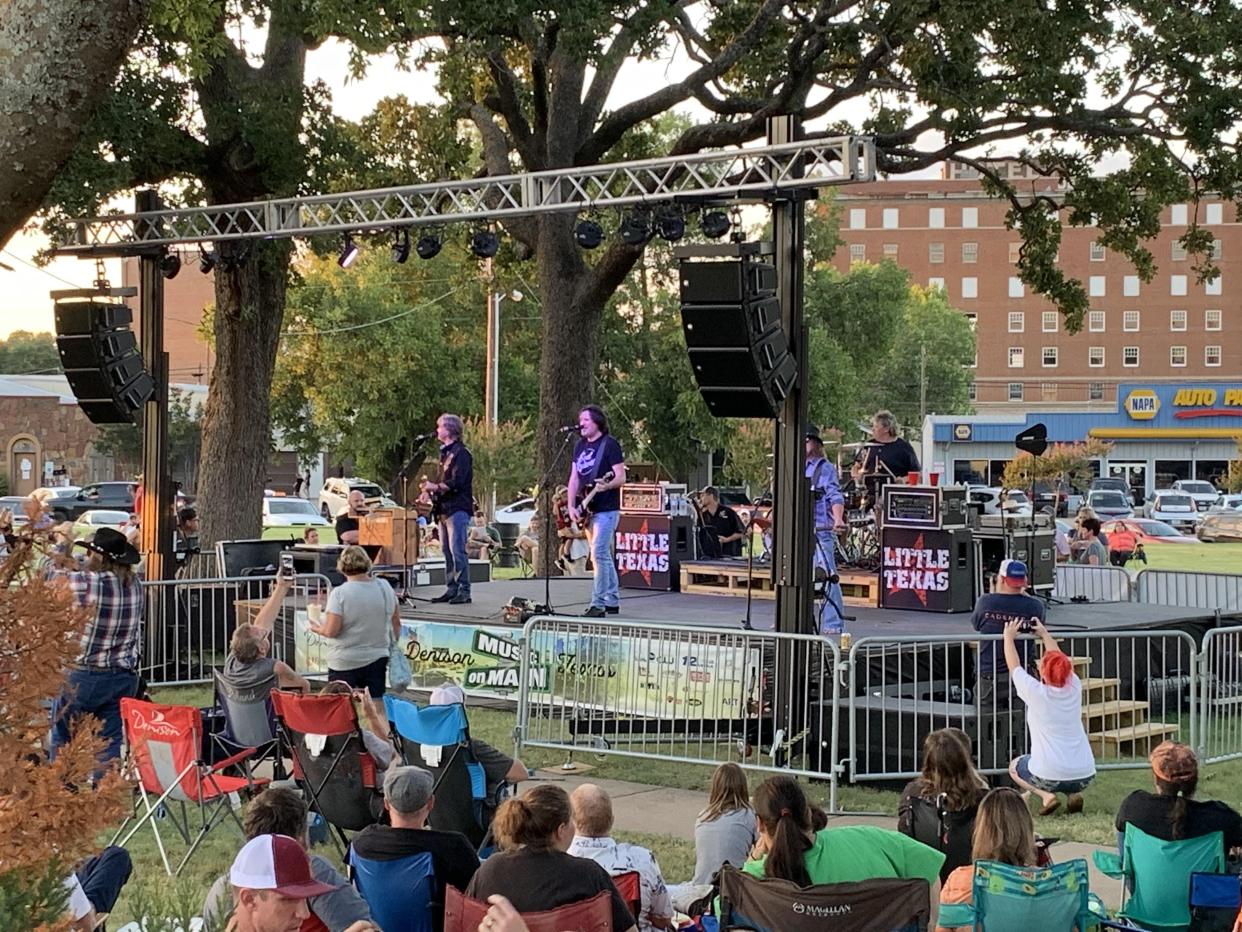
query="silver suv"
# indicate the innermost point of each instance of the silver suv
(334, 496)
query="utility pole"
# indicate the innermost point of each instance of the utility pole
(922, 383)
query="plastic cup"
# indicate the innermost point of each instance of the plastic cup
(913, 478)
(933, 478)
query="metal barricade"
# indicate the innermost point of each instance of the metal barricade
(189, 622)
(1220, 695)
(1139, 688)
(1218, 591)
(681, 693)
(1093, 583)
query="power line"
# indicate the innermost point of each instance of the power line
(373, 323)
(37, 268)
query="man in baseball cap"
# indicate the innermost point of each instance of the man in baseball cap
(271, 880)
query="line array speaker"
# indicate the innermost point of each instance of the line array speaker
(100, 358)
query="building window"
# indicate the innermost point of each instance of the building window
(1130, 286)
(1177, 356)
(935, 253)
(1048, 391)
(935, 218)
(1016, 357)
(1017, 321)
(1016, 288)
(970, 218)
(1213, 287)
(970, 252)
(1177, 285)
(1050, 357)
(1177, 320)
(1015, 391)
(1178, 251)
(1130, 356)
(1095, 321)
(1178, 215)
(936, 283)
(858, 252)
(1095, 391)
(1095, 357)
(970, 287)
(1015, 253)
(1211, 355)
(889, 218)
(858, 218)
(1130, 321)
(1096, 286)
(1211, 320)
(890, 250)
(1097, 252)
(1050, 320)
(972, 393)
(1215, 214)
(1216, 249)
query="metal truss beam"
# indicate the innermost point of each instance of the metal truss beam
(732, 174)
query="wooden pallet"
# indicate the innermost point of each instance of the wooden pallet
(724, 579)
(860, 588)
(1131, 741)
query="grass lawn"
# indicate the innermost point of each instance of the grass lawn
(1199, 558)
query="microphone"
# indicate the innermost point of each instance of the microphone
(421, 437)
(569, 429)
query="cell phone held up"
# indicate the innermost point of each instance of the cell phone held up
(286, 566)
(1026, 625)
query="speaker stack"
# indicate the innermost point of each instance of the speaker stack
(739, 352)
(100, 359)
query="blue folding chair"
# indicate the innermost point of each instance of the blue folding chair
(460, 783)
(400, 893)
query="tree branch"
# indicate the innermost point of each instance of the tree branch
(496, 149)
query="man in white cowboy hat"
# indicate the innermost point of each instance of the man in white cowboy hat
(106, 667)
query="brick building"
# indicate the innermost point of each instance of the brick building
(948, 233)
(185, 298)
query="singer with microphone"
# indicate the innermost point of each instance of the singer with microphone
(598, 471)
(452, 503)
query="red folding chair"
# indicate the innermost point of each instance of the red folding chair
(630, 886)
(165, 752)
(464, 914)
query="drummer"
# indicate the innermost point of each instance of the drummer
(888, 455)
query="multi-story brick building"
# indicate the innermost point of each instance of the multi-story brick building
(948, 233)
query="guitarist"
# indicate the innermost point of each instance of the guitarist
(596, 457)
(452, 504)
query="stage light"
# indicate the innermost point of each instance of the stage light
(670, 224)
(428, 246)
(401, 247)
(588, 234)
(484, 244)
(207, 261)
(170, 265)
(349, 252)
(635, 227)
(715, 224)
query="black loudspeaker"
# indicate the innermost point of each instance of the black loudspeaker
(100, 359)
(731, 319)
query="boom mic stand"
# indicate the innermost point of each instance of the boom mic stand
(403, 476)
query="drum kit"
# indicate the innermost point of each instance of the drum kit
(863, 490)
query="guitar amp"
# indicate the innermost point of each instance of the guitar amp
(638, 498)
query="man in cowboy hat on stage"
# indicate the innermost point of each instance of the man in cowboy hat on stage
(106, 668)
(828, 506)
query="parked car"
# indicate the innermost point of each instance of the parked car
(1203, 493)
(1220, 526)
(1147, 531)
(285, 516)
(519, 513)
(1227, 502)
(91, 521)
(17, 505)
(1109, 503)
(334, 496)
(1054, 495)
(1016, 501)
(1118, 484)
(1173, 508)
(52, 492)
(111, 496)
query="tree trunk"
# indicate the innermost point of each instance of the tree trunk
(237, 424)
(58, 59)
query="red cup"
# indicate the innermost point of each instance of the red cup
(933, 479)
(913, 478)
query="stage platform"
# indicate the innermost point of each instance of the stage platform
(572, 595)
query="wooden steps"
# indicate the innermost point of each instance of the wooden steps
(860, 588)
(1115, 713)
(1131, 741)
(1117, 728)
(1097, 689)
(711, 578)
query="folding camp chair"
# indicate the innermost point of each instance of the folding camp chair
(764, 904)
(630, 886)
(437, 738)
(401, 893)
(165, 750)
(463, 914)
(1157, 874)
(323, 739)
(1017, 899)
(248, 721)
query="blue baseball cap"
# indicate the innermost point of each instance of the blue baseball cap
(1013, 569)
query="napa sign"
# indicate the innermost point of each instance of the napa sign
(1181, 403)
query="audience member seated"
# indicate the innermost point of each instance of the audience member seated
(938, 808)
(527, 543)
(723, 832)
(408, 800)
(94, 887)
(499, 768)
(791, 850)
(373, 723)
(483, 540)
(275, 813)
(1172, 813)
(1004, 832)
(533, 869)
(592, 811)
(248, 667)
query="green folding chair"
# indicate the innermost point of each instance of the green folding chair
(1019, 899)
(1157, 875)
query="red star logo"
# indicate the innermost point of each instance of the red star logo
(645, 574)
(921, 591)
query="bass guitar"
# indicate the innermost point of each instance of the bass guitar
(585, 498)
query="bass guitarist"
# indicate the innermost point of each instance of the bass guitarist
(452, 504)
(599, 470)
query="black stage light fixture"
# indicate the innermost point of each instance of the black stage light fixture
(207, 261)
(428, 246)
(170, 264)
(670, 223)
(715, 224)
(484, 244)
(349, 252)
(635, 228)
(588, 234)
(401, 247)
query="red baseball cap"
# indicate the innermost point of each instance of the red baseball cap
(276, 862)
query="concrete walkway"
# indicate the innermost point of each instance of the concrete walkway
(662, 810)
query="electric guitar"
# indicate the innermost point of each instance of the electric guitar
(585, 498)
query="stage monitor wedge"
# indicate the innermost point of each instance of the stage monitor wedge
(100, 359)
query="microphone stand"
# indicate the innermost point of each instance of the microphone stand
(549, 521)
(403, 476)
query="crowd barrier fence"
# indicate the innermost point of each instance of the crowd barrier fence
(1093, 583)
(1220, 695)
(1215, 591)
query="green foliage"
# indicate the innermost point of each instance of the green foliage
(748, 456)
(504, 458)
(1233, 481)
(26, 353)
